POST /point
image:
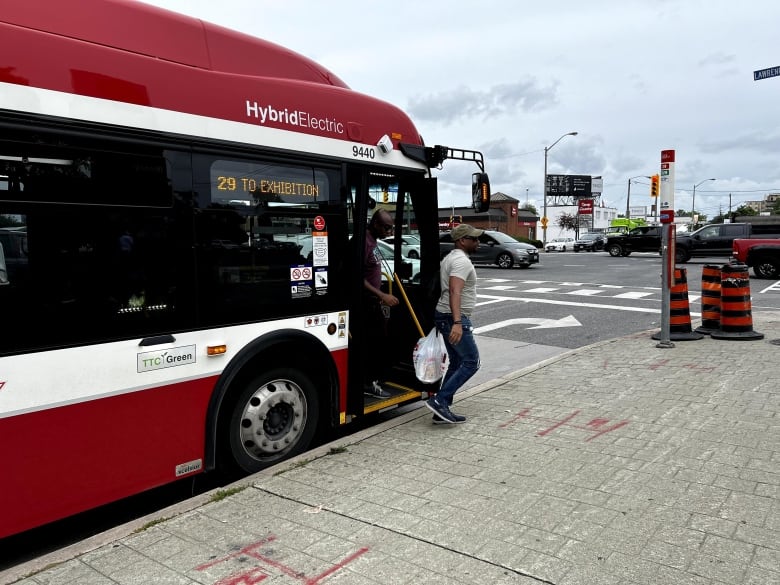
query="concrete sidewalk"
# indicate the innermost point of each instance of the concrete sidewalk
(617, 463)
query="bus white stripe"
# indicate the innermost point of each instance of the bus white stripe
(47, 102)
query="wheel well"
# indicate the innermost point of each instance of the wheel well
(763, 257)
(287, 348)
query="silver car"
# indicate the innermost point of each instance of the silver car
(496, 248)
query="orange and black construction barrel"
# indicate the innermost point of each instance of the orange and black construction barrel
(736, 317)
(679, 310)
(710, 299)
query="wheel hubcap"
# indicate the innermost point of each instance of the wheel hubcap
(273, 419)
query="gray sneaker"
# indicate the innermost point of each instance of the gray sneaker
(440, 409)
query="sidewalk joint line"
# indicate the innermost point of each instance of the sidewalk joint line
(407, 535)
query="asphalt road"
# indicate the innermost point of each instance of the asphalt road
(571, 299)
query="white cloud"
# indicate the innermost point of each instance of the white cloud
(632, 77)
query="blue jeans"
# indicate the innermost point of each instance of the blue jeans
(464, 357)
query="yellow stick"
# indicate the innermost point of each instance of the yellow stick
(408, 304)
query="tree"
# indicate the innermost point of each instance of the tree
(566, 221)
(529, 207)
(745, 210)
(718, 218)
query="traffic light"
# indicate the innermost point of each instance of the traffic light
(655, 185)
(385, 196)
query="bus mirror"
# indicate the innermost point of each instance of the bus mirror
(480, 192)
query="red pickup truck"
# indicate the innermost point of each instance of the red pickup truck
(762, 254)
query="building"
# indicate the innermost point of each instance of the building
(765, 205)
(504, 216)
(599, 220)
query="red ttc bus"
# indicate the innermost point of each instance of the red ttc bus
(177, 281)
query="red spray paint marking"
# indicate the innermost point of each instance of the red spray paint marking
(622, 423)
(658, 364)
(694, 367)
(256, 574)
(246, 578)
(560, 423)
(516, 418)
(598, 423)
(337, 566)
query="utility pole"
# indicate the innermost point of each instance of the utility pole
(544, 186)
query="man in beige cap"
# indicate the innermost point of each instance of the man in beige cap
(453, 319)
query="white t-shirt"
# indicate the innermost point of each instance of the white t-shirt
(457, 263)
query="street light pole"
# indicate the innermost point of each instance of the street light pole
(544, 186)
(693, 198)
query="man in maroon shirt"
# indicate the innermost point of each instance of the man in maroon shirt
(381, 225)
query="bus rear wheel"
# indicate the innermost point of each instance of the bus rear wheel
(273, 418)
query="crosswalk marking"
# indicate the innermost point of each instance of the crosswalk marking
(484, 299)
(603, 291)
(633, 295)
(569, 288)
(588, 292)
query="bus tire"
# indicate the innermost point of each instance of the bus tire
(273, 417)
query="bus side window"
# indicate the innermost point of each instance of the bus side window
(3, 269)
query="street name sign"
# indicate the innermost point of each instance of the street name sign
(766, 73)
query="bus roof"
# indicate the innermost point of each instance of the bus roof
(147, 30)
(130, 52)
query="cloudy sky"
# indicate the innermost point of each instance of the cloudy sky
(509, 77)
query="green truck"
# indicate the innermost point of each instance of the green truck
(622, 225)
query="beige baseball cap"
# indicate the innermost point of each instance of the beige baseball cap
(464, 230)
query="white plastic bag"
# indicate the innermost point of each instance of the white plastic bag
(430, 357)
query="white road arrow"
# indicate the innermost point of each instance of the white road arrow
(540, 323)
